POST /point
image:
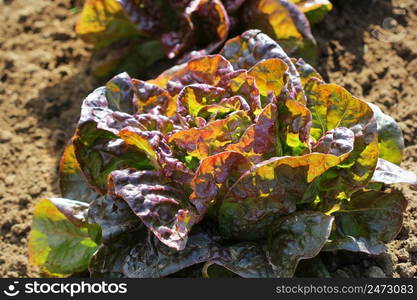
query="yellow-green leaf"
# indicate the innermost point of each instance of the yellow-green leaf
(285, 23)
(271, 189)
(72, 183)
(59, 242)
(332, 107)
(315, 10)
(213, 138)
(103, 22)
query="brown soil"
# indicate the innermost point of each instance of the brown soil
(370, 48)
(45, 74)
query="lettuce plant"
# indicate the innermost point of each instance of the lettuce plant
(132, 35)
(241, 163)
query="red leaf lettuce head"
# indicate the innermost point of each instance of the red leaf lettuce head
(246, 160)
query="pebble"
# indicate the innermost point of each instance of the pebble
(40, 144)
(10, 179)
(35, 190)
(5, 136)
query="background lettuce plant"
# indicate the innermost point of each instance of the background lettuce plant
(131, 35)
(237, 164)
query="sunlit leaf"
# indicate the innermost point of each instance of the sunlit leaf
(251, 47)
(213, 138)
(71, 181)
(295, 120)
(390, 136)
(153, 99)
(306, 71)
(315, 10)
(331, 107)
(154, 145)
(271, 189)
(103, 22)
(211, 23)
(241, 84)
(270, 76)
(98, 147)
(259, 142)
(337, 141)
(100, 152)
(215, 175)
(206, 69)
(156, 122)
(59, 241)
(196, 97)
(284, 22)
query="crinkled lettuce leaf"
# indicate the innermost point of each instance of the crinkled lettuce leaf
(269, 190)
(284, 22)
(114, 217)
(299, 236)
(161, 204)
(215, 175)
(213, 138)
(332, 107)
(140, 255)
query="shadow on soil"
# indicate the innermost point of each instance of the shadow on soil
(345, 26)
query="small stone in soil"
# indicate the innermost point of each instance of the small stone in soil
(5, 136)
(35, 190)
(10, 179)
